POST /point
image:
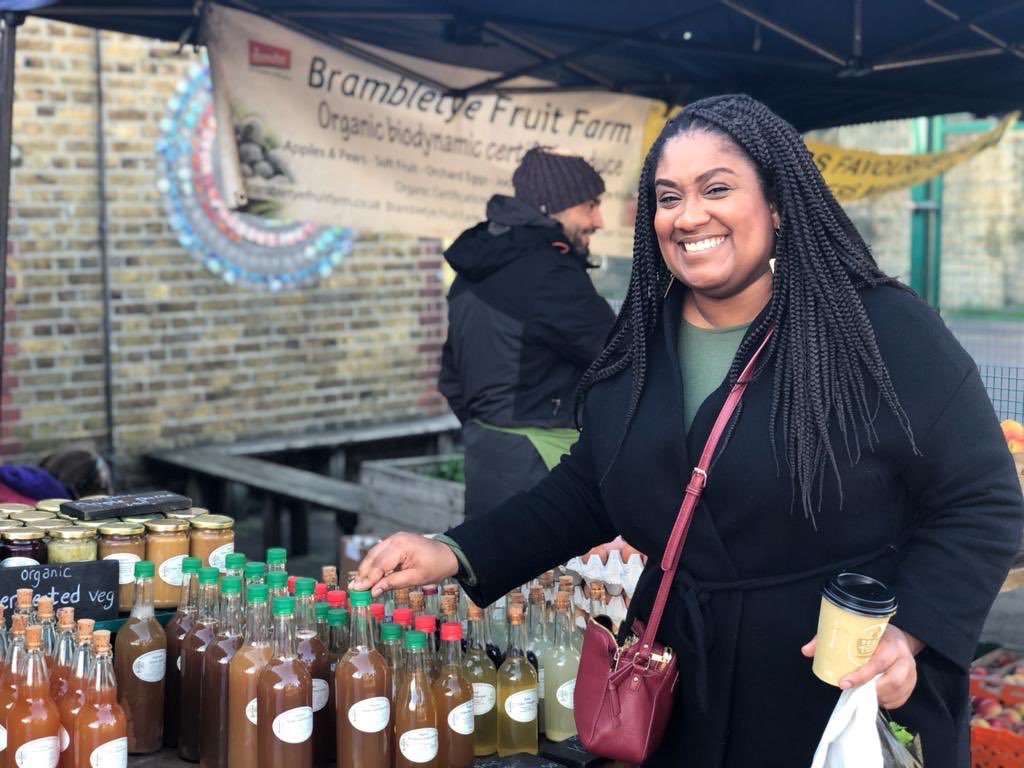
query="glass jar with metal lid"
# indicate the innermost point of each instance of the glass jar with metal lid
(51, 505)
(10, 525)
(11, 506)
(185, 514)
(71, 545)
(25, 546)
(53, 525)
(95, 523)
(32, 517)
(141, 519)
(167, 544)
(125, 543)
(212, 539)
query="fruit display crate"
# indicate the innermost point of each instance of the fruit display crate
(997, 702)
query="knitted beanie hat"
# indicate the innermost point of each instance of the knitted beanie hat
(552, 182)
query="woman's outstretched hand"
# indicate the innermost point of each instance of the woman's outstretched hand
(893, 660)
(404, 560)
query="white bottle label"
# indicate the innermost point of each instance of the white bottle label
(150, 667)
(565, 692)
(321, 693)
(483, 698)
(460, 719)
(540, 683)
(250, 711)
(170, 570)
(179, 663)
(218, 556)
(38, 753)
(18, 562)
(370, 715)
(125, 568)
(295, 725)
(522, 706)
(65, 740)
(113, 754)
(419, 745)
(3, 738)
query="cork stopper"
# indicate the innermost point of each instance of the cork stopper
(562, 602)
(474, 612)
(402, 596)
(448, 604)
(451, 589)
(24, 599)
(19, 622)
(34, 637)
(536, 595)
(101, 641)
(565, 582)
(65, 618)
(596, 590)
(44, 608)
(85, 627)
(547, 579)
(329, 574)
(516, 598)
(416, 601)
(515, 614)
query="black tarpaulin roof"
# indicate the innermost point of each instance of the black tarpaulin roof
(822, 63)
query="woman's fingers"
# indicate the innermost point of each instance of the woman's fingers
(809, 647)
(404, 560)
(894, 663)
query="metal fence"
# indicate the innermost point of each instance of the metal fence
(1005, 385)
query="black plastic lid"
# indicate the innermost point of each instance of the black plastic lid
(861, 594)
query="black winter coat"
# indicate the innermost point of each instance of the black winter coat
(949, 517)
(524, 320)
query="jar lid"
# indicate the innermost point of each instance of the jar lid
(11, 506)
(69, 518)
(51, 505)
(91, 523)
(183, 514)
(141, 518)
(122, 529)
(72, 533)
(860, 594)
(10, 525)
(218, 522)
(24, 534)
(55, 525)
(33, 516)
(166, 526)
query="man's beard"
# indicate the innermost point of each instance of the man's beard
(576, 237)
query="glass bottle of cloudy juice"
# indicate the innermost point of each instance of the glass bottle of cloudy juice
(483, 677)
(101, 728)
(175, 631)
(213, 702)
(284, 698)
(244, 672)
(517, 693)
(193, 646)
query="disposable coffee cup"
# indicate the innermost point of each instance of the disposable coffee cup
(855, 610)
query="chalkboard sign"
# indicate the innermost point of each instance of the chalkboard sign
(520, 760)
(89, 588)
(126, 504)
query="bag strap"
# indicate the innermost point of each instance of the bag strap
(694, 489)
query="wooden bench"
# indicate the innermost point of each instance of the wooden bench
(209, 469)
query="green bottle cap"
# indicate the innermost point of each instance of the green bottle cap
(305, 587)
(144, 569)
(257, 593)
(415, 640)
(207, 575)
(277, 556)
(360, 598)
(320, 611)
(284, 606)
(231, 585)
(337, 617)
(390, 631)
(277, 580)
(255, 570)
(236, 560)
(191, 565)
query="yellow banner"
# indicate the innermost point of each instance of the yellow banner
(853, 174)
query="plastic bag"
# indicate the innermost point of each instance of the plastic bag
(851, 738)
(858, 736)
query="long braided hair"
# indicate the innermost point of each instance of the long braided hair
(824, 346)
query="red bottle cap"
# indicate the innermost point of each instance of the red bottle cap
(429, 590)
(291, 584)
(337, 598)
(377, 610)
(320, 592)
(426, 623)
(402, 616)
(451, 630)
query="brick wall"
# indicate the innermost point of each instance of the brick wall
(194, 360)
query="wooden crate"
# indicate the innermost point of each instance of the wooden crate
(402, 496)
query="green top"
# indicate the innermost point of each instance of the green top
(320, 611)
(551, 444)
(236, 560)
(277, 579)
(144, 569)
(305, 587)
(390, 631)
(283, 606)
(705, 355)
(255, 569)
(231, 585)
(277, 555)
(257, 593)
(191, 565)
(359, 597)
(337, 617)
(415, 640)
(208, 575)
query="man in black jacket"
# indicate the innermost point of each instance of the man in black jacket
(524, 323)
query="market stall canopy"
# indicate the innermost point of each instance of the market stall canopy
(818, 64)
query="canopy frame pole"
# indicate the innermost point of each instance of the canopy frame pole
(786, 32)
(539, 50)
(8, 39)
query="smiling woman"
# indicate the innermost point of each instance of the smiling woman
(865, 441)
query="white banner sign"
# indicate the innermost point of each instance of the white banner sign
(310, 132)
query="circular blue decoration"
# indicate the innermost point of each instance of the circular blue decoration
(243, 249)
